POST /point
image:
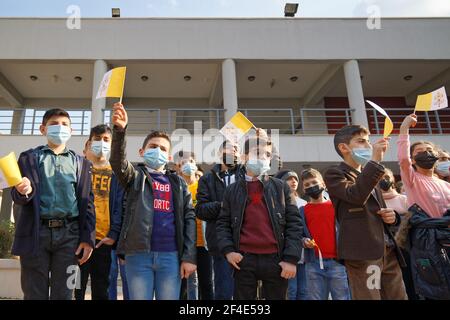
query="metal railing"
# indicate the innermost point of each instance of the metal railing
(324, 120)
(274, 118)
(432, 122)
(311, 120)
(27, 121)
(141, 121)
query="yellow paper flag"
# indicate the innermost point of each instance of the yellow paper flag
(236, 128)
(388, 124)
(112, 83)
(9, 171)
(432, 101)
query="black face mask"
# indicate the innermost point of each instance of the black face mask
(229, 160)
(314, 191)
(385, 184)
(425, 159)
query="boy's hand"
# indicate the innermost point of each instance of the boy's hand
(388, 215)
(409, 122)
(308, 243)
(379, 148)
(288, 270)
(24, 187)
(119, 117)
(187, 269)
(87, 250)
(261, 133)
(234, 258)
(106, 240)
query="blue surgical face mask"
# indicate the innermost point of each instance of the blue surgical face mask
(443, 168)
(58, 134)
(155, 158)
(362, 155)
(100, 148)
(188, 169)
(258, 166)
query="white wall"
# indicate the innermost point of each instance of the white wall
(280, 39)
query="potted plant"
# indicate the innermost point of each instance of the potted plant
(9, 265)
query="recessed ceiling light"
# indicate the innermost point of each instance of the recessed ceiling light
(144, 78)
(33, 78)
(187, 78)
(78, 78)
(251, 78)
(408, 77)
(293, 78)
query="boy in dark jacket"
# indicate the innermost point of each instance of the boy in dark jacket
(159, 231)
(57, 218)
(259, 227)
(108, 196)
(365, 241)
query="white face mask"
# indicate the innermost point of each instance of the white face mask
(443, 168)
(100, 148)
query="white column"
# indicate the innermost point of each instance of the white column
(355, 93)
(100, 68)
(230, 99)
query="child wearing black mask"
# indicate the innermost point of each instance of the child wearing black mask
(417, 163)
(324, 275)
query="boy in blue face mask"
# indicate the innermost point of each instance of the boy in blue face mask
(259, 227)
(108, 196)
(365, 241)
(159, 232)
(199, 284)
(57, 216)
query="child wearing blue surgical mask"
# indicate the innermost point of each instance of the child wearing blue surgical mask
(365, 223)
(199, 285)
(443, 165)
(108, 197)
(57, 212)
(158, 236)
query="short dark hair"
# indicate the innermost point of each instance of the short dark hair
(310, 173)
(345, 134)
(256, 141)
(54, 113)
(156, 134)
(99, 130)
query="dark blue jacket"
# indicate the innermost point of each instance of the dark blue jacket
(429, 240)
(26, 239)
(308, 255)
(115, 209)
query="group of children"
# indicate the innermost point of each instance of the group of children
(217, 237)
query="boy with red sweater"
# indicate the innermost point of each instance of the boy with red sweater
(324, 274)
(259, 227)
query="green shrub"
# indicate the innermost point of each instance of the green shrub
(6, 239)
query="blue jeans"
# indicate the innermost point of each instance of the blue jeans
(223, 279)
(331, 280)
(297, 287)
(116, 267)
(153, 274)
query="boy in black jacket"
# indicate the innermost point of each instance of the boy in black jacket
(259, 227)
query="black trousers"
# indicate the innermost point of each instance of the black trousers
(204, 273)
(264, 267)
(55, 265)
(98, 267)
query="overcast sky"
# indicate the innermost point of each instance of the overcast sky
(226, 8)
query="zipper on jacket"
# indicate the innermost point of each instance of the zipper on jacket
(274, 228)
(242, 215)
